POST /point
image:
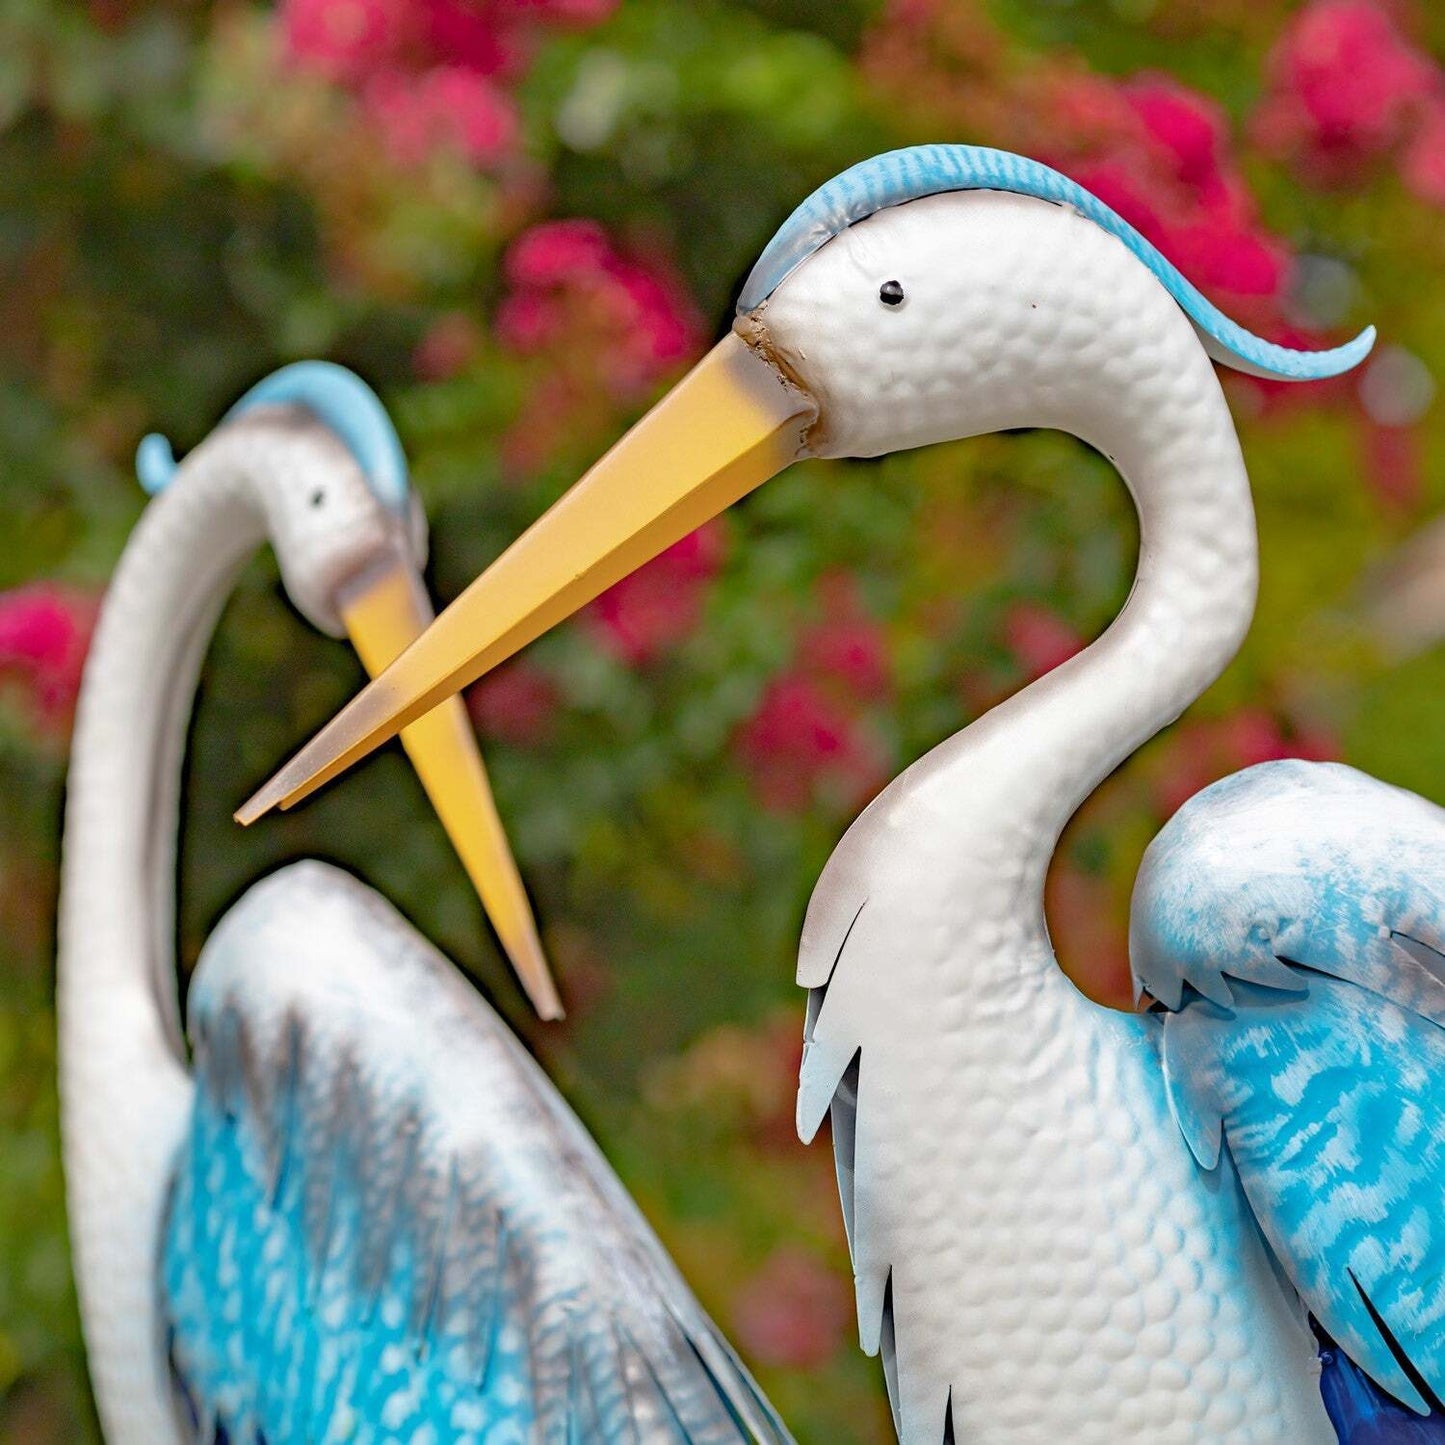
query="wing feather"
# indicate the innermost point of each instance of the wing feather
(387, 1218)
(1328, 1093)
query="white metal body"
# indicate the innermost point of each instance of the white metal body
(1032, 1240)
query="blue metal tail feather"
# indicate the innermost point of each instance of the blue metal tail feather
(1362, 1413)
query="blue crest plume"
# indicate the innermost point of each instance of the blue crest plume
(907, 175)
(340, 398)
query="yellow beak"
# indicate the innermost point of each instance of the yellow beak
(384, 611)
(731, 423)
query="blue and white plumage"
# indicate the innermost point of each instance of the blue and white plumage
(1292, 919)
(387, 1225)
(336, 397)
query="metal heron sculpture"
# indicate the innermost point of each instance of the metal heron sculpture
(357, 1211)
(1066, 1222)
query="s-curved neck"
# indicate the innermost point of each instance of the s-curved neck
(1026, 767)
(125, 1090)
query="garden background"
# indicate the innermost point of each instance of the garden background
(519, 219)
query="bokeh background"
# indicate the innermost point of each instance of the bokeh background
(519, 219)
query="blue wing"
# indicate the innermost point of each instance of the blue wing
(389, 1226)
(1292, 916)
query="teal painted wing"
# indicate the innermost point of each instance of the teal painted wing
(1332, 1107)
(388, 1225)
(1292, 918)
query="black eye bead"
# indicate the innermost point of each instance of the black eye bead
(318, 497)
(890, 293)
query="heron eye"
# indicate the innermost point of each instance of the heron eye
(318, 496)
(890, 293)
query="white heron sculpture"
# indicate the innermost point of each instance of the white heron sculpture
(1066, 1223)
(357, 1211)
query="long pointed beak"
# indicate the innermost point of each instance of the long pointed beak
(731, 423)
(384, 611)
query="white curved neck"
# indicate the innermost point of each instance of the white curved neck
(125, 1092)
(1186, 616)
(1008, 784)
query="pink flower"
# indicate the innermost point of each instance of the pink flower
(1345, 88)
(653, 609)
(658, 332)
(1212, 243)
(1039, 638)
(346, 40)
(794, 1313)
(1203, 750)
(557, 252)
(1090, 934)
(1113, 181)
(528, 321)
(1190, 128)
(468, 35)
(515, 704)
(609, 325)
(44, 634)
(1091, 114)
(1394, 464)
(648, 325)
(447, 108)
(803, 742)
(1217, 253)
(577, 13)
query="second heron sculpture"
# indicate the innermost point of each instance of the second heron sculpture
(356, 1210)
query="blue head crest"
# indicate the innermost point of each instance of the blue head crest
(339, 398)
(907, 175)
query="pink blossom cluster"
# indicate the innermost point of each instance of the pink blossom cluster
(562, 273)
(44, 634)
(806, 739)
(641, 617)
(1159, 154)
(1347, 90)
(637, 621)
(1039, 638)
(516, 704)
(609, 324)
(1090, 933)
(430, 74)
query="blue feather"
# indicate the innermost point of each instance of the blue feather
(388, 1226)
(906, 175)
(1362, 1413)
(1291, 918)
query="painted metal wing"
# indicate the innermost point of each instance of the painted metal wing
(1294, 918)
(389, 1226)
(1035, 1253)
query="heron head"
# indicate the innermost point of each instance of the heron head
(320, 457)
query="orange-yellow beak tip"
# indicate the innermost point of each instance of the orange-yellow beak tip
(383, 611)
